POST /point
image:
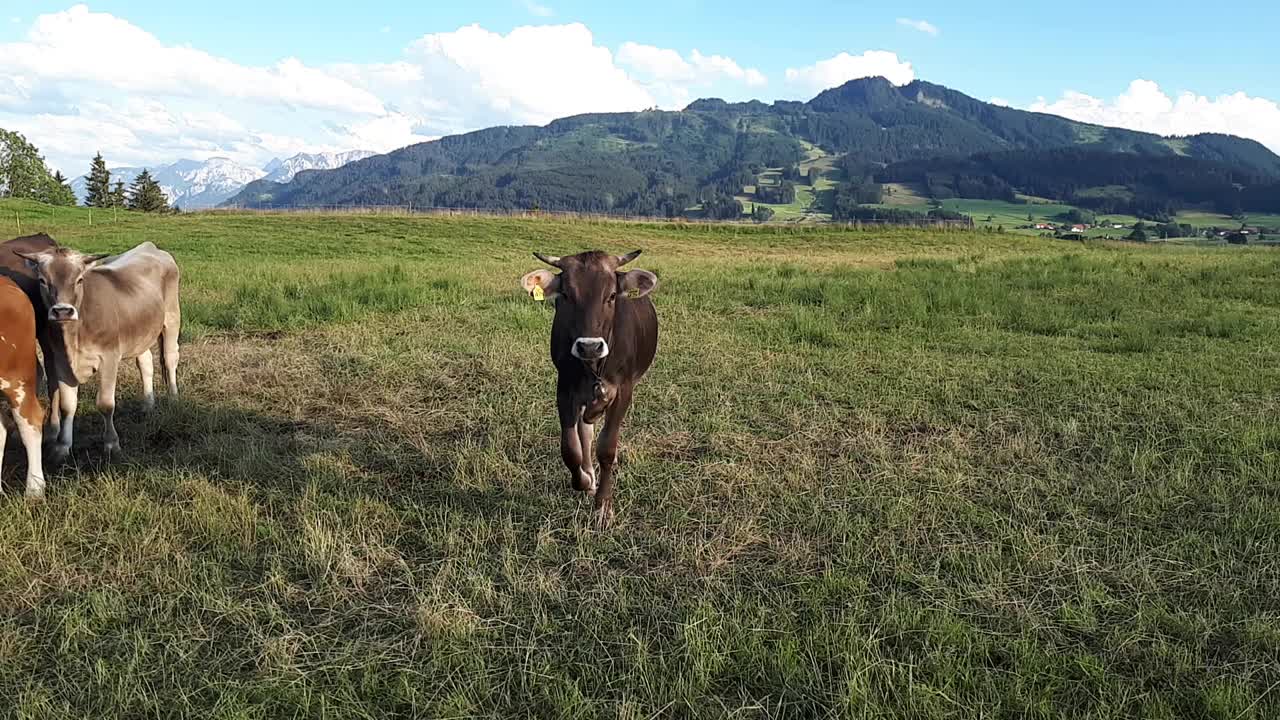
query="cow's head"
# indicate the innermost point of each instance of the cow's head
(61, 272)
(586, 292)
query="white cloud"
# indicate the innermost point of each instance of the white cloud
(1000, 102)
(538, 9)
(713, 65)
(99, 49)
(671, 78)
(844, 67)
(655, 62)
(534, 74)
(82, 81)
(1145, 106)
(923, 26)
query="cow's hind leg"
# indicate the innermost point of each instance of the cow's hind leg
(147, 370)
(107, 403)
(169, 351)
(607, 455)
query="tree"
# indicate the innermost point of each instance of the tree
(98, 184)
(145, 194)
(761, 213)
(60, 192)
(117, 197)
(23, 173)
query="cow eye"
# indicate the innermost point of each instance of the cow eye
(613, 295)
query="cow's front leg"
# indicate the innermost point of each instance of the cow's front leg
(53, 418)
(107, 404)
(570, 412)
(68, 397)
(586, 436)
(607, 454)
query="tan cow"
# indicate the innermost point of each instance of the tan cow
(18, 380)
(104, 310)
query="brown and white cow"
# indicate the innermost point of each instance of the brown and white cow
(104, 310)
(603, 339)
(19, 380)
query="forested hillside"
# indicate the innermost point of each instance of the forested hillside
(666, 163)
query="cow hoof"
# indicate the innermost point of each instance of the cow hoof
(113, 450)
(149, 403)
(604, 517)
(59, 454)
(583, 482)
(34, 494)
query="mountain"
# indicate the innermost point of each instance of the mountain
(192, 184)
(661, 163)
(189, 184)
(282, 171)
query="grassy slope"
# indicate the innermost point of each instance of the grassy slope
(872, 474)
(802, 208)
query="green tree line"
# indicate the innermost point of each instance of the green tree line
(24, 174)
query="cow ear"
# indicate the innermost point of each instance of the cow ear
(541, 280)
(637, 283)
(33, 260)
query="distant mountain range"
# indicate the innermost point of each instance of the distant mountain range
(665, 163)
(192, 184)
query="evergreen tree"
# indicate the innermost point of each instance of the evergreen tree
(117, 197)
(60, 192)
(98, 184)
(145, 194)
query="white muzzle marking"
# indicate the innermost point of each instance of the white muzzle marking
(63, 311)
(590, 348)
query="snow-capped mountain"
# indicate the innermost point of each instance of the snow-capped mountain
(192, 184)
(282, 171)
(189, 184)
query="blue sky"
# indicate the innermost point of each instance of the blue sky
(1198, 69)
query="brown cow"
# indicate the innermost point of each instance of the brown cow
(603, 339)
(104, 310)
(19, 380)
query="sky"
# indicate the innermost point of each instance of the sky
(153, 81)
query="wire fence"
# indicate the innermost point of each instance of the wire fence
(805, 220)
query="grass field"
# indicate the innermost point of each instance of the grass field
(872, 474)
(1201, 219)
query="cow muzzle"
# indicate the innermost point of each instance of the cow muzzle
(590, 348)
(63, 312)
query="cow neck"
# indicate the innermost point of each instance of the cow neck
(69, 345)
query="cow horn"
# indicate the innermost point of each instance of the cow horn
(624, 259)
(551, 260)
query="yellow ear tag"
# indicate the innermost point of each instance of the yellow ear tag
(538, 294)
(633, 293)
